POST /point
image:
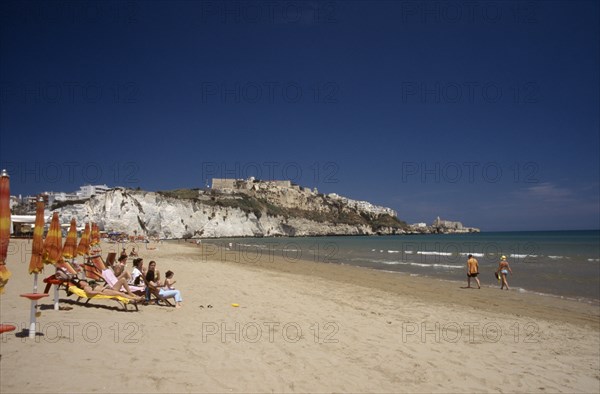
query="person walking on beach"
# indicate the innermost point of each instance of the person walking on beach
(472, 270)
(503, 270)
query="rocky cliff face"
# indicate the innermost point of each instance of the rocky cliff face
(211, 214)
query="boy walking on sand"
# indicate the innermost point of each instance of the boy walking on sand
(472, 270)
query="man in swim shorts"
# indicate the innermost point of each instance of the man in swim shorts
(503, 270)
(472, 271)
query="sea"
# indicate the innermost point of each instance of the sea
(563, 264)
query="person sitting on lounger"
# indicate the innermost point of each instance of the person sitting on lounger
(92, 288)
(120, 269)
(168, 290)
(153, 275)
(138, 271)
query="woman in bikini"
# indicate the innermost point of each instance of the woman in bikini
(504, 269)
(92, 288)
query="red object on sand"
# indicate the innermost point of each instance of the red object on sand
(34, 296)
(6, 328)
(53, 280)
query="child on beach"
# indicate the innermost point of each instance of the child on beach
(169, 291)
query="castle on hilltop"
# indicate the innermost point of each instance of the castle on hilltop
(248, 184)
(292, 194)
(440, 225)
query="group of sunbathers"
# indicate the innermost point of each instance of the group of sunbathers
(144, 279)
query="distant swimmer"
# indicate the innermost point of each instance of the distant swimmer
(503, 270)
(472, 271)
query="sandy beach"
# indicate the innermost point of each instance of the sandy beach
(299, 327)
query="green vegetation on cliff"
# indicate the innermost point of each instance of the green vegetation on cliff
(61, 204)
(331, 212)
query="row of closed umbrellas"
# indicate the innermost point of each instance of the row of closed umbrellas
(48, 251)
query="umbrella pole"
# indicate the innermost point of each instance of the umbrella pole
(56, 297)
(32, 319)
(35, 282)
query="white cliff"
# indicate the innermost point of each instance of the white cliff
(263, 211)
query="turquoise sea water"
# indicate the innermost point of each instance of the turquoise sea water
(561, 263)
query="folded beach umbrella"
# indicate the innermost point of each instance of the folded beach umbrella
(84, 243)
(36, 265)
(95, 235)
(70, 248)
(4, 227)
(53, 242)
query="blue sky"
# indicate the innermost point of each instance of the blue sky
(484, 112)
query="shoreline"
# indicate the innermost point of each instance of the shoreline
(513, 302)
(543, 269)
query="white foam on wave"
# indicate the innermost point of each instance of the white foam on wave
(253, 246)
(421, 264)
(393, 272)
(393, 251)
(522, 256)
(474, 254)
(593, 260)
(556, 257)
(435, 253)
(408, 252)
(437, 265)
(562, 297)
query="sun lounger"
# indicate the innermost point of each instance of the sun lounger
(152, 292)
(94, 267)
(111, 258)
(57, 282)
(121, 300)
(109, 277)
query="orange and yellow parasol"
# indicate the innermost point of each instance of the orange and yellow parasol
(70, 249)
(95, 235)
(4, 227)
(53, 243)
(84, 243)
(35, 264)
